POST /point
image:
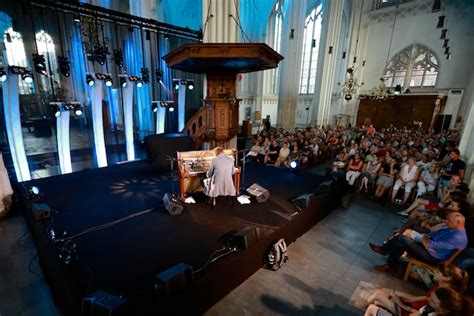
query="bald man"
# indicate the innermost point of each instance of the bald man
(430, 248)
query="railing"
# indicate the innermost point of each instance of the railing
(196, 127)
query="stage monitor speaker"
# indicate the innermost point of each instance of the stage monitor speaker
(303, 200)
(172, 204)
(241, 239)
(41, 211)
(324, 188)
(174, 280)
(103, 303)
(260, 193)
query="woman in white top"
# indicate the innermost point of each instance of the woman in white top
(283, 155)
(407, 176)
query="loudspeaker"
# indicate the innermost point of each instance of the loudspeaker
(103, 303)
(303, 200)
(241, 239)
(41, 211)
(174, 279)
(260, 193)
(172, 204)
(324, 188)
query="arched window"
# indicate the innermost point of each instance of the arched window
(46, 47)
(414, 66)
(309, 60)
(276, 21)
(16, 55)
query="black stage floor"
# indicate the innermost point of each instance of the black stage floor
(123, 259)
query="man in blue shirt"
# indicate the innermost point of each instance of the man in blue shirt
(429, 248)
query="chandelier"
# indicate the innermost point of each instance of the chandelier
(351, 86)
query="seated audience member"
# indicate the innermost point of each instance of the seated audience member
(429, 248)
(370, 172)
(455, 167)
(443, 301)
(408, 177)
(445, 275)
(387, 172)
(283, 155)
(263, 151)
(339, 166)
(253, 152)
(272, 153)
(428, 180)
(354, 168)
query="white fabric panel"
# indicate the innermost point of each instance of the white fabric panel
(181, 106)
(98, 124)
(128, 120)
(11, 106)
(160, 119)
(62, 136)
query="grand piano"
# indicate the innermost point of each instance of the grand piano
(193, 165)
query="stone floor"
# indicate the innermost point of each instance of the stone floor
(329, 271)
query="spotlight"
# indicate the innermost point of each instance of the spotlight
(118, 57)
(176, 84)
(108, 81)
(441, 22)
(33, 193)
(171, 109)
(159, 76)
(40, 64)
(90, 80)
(64, 67)
(139, 83)
(154, 107)
(3, 75)
(77, 18)
(57, 110)
(190, 84)
(77, 109)
(123, 81)
(167, 37)
(348, 97)
(145, 75)
(27, 76)
(398, 89)
(100, 54)
(293, 164)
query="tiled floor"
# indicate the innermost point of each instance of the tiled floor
(329, 271)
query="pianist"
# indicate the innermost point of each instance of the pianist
(220, 176)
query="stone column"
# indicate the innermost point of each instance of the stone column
(291, 65)
(332, 20)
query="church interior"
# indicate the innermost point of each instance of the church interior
(225, 157)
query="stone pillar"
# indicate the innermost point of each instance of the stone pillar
(332, 20)
(291, 65)
(218, 18)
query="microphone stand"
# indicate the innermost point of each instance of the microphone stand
(171, 160)
(242, 183)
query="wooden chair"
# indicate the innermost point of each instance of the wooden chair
(418, 263)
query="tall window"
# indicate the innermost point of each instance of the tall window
(16, 55)
(276, 20)
(312, 36)
(414, 66)
(46, 47)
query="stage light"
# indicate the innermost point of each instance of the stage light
(139, 83)
(3, 75)
(108, 81)
(123, 81)
(57, 110)
(40, 64)
(27, 77)
(171, 109)
(77, 109)
(154, 107)
(293, 164)
(159, 76)
(118, 57)
(176, 84)
(77, 18)
(33, 192)
(100, 54)
(190, 84)
(64, 67)
(90, 80)
(145, 75)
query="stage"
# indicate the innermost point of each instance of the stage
(123, 259)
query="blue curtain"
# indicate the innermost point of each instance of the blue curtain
(254, 17)
(184, 13)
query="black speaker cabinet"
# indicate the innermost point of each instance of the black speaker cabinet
(303, 200)
(41, 211)
(172, 204)
(102, 303)
(260, 193)
(247, 237)
(174, 280)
